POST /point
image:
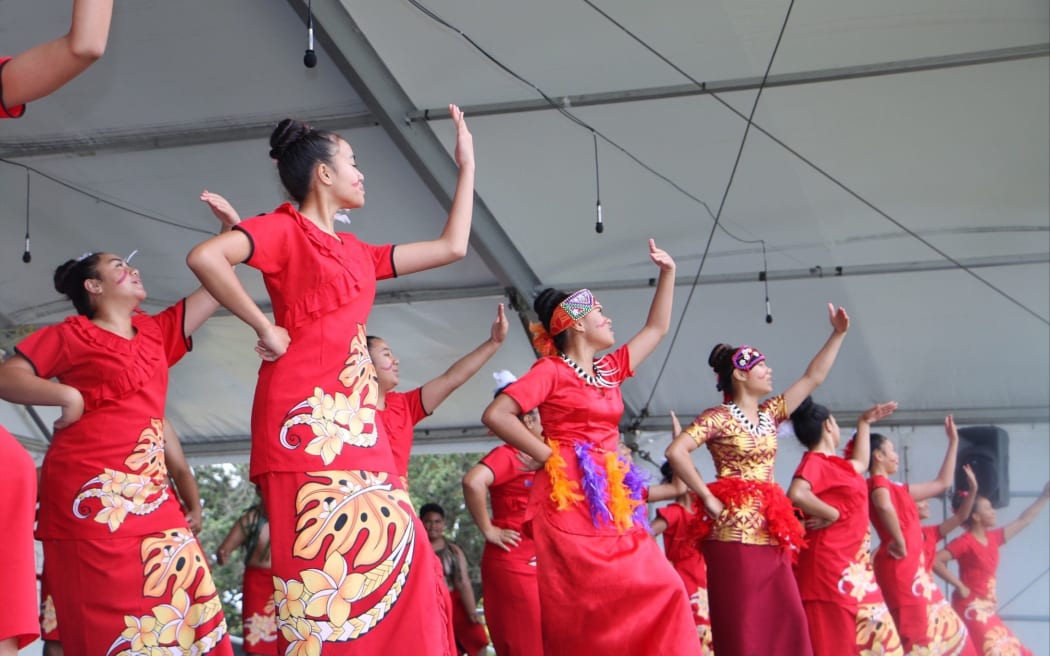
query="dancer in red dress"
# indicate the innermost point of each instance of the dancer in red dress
(252, 531)
(844, 606)
(587, 513)
(923, 620)
(401, 411)
(352, 568)
(977, 551)
(749, 530)
(508, 564)
(107, 512)
(674, 522)
(28, 76)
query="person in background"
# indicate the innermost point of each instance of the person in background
(252, 531)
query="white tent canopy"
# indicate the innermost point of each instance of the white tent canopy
(895, 144)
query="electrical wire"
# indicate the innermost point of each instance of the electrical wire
(816, 167)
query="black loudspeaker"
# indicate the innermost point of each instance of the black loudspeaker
(987, 450)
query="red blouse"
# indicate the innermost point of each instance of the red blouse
(680, 543)
(978, 562)
(106, 474)
(904, 581)
(400, 416)
(509, 494)
(8, 112)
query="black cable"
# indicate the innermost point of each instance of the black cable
(1022, 590)
(721, 206)
(99, 199)
(815, 167)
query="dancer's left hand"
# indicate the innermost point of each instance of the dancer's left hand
(660, 257)
(839, 319)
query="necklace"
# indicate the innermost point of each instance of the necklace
(765, 424)
(594, 380)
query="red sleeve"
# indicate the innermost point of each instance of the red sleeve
(997, 537)
(503, 463)
(172, 324)
(383, 259)
(959, 547)
(531, 389)
(809, 471)
(775, 407)
(875, 482)
(414, 406)
(46, 350)
(8, 112)
(618, 363)
(270, 237)
(670, 513)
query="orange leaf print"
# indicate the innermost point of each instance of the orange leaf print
(344, 506)
(148, 457)
(174, 555)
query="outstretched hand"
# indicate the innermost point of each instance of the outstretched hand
(676, 426)
(877, 412)
(660, 257)
(971, 479)
(221, 208)
(949, 428)
(839, 319)
(500, 325)
(464, 140)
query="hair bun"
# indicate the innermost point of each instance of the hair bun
(545, 303)
(803, 410)
(285, 135)
(720, 354)
(62, 276)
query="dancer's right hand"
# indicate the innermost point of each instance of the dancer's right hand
(221, 208)
(504, 538)
(273, 343)
(713, 506)
(72, 408)
(897, 550)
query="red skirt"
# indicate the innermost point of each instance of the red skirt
(836, 631)
(933, 626)
(260, 622)
(470, 637)
(48, 618)
(609, 594)
(134, 593)
(353, 570)
(988, 634)
(512, 605)
(755, 604)
(17, 562)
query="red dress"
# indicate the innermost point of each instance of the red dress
(940, 610)
(257, 611)
(353, 570)
(508, 578)
(402, 412)
(749, 547)
(687, 559)
(923, 618)
(844, 606)
(977, 566)
(8, 112)
(605, 587)
(17, 562)
(106, 511)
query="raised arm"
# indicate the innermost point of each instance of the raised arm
(19, 384)
(45, 68)
(1029, 514)
(883, 503)
(965, 508)
(182, 476)
(818, 513)
(454, 239)
(476, 483)
(435, 391)
(501, 417)
(862, 440)
(821, 364)
(937, 486)
(679, 455)
(658, 322)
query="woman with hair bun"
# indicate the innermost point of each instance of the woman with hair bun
(749, 531)
(587, 513)
(844, 607)
(353, 572)
(126, 573)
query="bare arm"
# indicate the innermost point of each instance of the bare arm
(200, 305)
(182, 475)
(435, 391)
(45, 68)
(476, 483)
(20, 384)
(801, 494)
(940, 568)
(965, 508)
(937, 486)
(501, 417)
(862, 441)
(883, 502)
(1026, 518)
(821, 364)
(657, 526)
(454, 239)
(679, 455)
(658, 322)
(233, 539)
(462, 585)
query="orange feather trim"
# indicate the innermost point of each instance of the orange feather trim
(621, 505)
(564, 492)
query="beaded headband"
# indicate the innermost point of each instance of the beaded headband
(578, 305)
(746, 357)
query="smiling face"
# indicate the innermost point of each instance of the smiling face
(434, 524)
(887, 458)
(387, 366)
(341, 175)
(758, 381)
(597, 329)
(115, 280)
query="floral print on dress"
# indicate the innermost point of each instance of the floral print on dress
(137, 492)
(340, 417)
(360, 523)
(261, 627)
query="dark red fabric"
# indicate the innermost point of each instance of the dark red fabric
(470, 637)
(257, 611)
(687, 559)
(17, 562)
(898, 577)
(769, 619)
(400, 416)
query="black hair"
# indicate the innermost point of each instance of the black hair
(431, 508)
(370, 340)
(69, 280)
(877, 440)
(721, 361)
(666, 473)
(808, 421)
(298, 149)
(544, 306)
